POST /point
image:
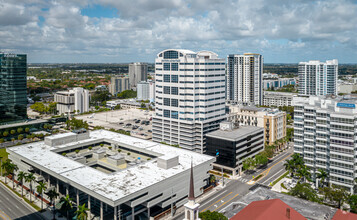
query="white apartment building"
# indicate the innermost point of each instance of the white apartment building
(118, 84)
(325, 135)
(318, 78)
(190, 97)
(143, 91)
(73, 101)
(151, 90)
(138, 72)
(244, 78)
(278, 98)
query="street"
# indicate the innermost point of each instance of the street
(11, 207)
(236, 189)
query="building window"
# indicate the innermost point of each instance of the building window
(174, 102)
(166, 78)
(167, 101)
(167, 66)
(171, 54)
(174, 78)
(174, 114)
(167, 113)
(174, 90)
(174, 66)
(166, 89)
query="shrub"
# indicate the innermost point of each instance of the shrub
(119, 150)
(90, 148)
(128, 153)
(149, 159)
(64, 154)
(101, 145)
(77, 151)
(27, 130)
(12, 132)
(110, 148)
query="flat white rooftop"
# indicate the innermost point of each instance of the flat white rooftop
(113, 186)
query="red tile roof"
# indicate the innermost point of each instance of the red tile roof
(273, 209)
(343, 215)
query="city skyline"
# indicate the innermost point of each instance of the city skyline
(89, 31)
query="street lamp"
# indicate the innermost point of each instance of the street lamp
(217, 155)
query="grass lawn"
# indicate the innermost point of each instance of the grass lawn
(3, 154)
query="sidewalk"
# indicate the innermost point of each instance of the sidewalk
(277, 187)
(46, 214)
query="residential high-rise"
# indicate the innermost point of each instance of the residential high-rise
(143, 91)
(244, 78)
(73, 101)
(138, 72)
(318, 78)
(118, 85)
(13, 89)
(325, 134)
(151, 91)
(190, 97)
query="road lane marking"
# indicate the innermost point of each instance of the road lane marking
(214, 197)
(266, 172)
(226, 202)
(217, 201)
(275, 175)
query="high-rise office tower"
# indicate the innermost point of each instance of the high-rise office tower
(244, 78)
(190, 97)
(13, 89)
(318, 78)
(138, 72)
(118, 84)
(325, 136)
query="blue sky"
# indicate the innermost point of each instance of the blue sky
(118, 31)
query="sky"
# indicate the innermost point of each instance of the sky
(121, 31)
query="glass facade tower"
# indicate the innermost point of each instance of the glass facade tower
(13, 99)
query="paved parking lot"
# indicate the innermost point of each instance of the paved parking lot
(120, 119)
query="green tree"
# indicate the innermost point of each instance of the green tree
(66, 205)
(208, 215)
(77, 124)
(20, 177)
(322, 175)
(248, 163)
(28, 179)
(52, 194)
(81, 213)
(5, 133)
(352, 201)
(27, 130)
(20, 130)
(12, 132)
(261, 159)
(41, 187)
(304, 174)
(339, 195)
(127, 94)
(304, 191)
(20, 137)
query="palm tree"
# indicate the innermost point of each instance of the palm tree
(13, 169)
(304, 174)
(40, 188)
(29, 178)
(6, 166)
(81, 213)
(20, 177)
(290, 167)
(66, 205)
(322, 175)
(52, 194)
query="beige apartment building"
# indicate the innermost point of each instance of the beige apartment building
(272, 120)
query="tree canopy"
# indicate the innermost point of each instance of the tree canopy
(208, 215)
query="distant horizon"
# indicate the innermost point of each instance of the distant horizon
(154, 63)
(87, 31)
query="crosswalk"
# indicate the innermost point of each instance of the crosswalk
(243, 180)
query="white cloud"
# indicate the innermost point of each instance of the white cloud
(144, 27)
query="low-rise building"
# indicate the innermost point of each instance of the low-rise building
(126, 177)
(72, 101)
(232, 144)
(272, 120)
(278, 83)
(278, 98)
